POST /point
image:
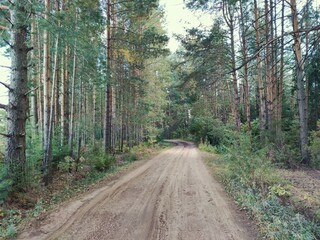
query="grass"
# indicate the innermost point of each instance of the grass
(254, 184)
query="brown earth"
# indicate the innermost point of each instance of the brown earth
(172, 196)
(305, 190)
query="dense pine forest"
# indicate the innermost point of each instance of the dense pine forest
(94, 86)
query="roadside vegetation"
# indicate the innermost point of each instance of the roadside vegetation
(258, 187)
(284, 202)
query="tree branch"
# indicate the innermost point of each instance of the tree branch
(5, 135)
(6, 85)
(32, 90)
(2, 106)
(2, 7)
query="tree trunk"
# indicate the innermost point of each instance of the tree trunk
(280, 90)
(246, 77)
(94, 117)
(268, 68)
(300, 84)
(35, 76)
(109, 98)
(15, 155)
(262, 104)
(79, 126)
(40, 84)
(65, 98)
(228, 16)
(71, 123)
(46, 99)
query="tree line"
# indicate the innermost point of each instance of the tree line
(255, 68)
(81, 74)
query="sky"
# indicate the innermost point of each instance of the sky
(178, 18)
(4, 75)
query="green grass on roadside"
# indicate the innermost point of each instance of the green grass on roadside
(251, 180)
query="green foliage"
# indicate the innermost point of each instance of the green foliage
(315, 148)
(207, 129)
(102, 161)
(38, 208)
(5, 183)
(250, 178)
(130, 157)
(284, 148)
(280, 191)
(67, 164)
(10, 220)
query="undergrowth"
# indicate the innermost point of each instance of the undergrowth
(250, 178)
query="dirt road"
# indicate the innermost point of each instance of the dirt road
(172, 196)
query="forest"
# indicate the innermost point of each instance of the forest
(93, 86)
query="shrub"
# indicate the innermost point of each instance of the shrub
(103, 162)
(5, 183)
(248, 175)
(130, 157)
(315, 148)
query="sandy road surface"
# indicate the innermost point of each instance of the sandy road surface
(172, 196)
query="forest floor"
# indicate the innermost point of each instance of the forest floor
(171, 196)
(305, 190)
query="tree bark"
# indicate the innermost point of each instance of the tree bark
(109, 98)
(280, 90)
(71, 123)
(262, 104)
(65, 98)
(46, 95)
(35, 76)
(228, 16)
(268, 68)
(15, 155)
(300, 84)
(246, 77)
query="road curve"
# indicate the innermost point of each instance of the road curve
(172, 196)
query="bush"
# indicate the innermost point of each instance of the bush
(5, 183)
(103, 162)
(249, 177)
(130, 157)
(315, 148)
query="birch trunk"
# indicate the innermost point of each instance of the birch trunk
(46, 95)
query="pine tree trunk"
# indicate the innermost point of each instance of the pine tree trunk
(40, 84)
(15, 155)
(79, 126)
(262, 104)
(300, 84)
(229, 18)
(109, 98)
(65, 59)
(46, 95)
(71, 123)
(64, 99)
(246, 77)
(94, 116)
(280, 90)
(35, 77)
(268, 68)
